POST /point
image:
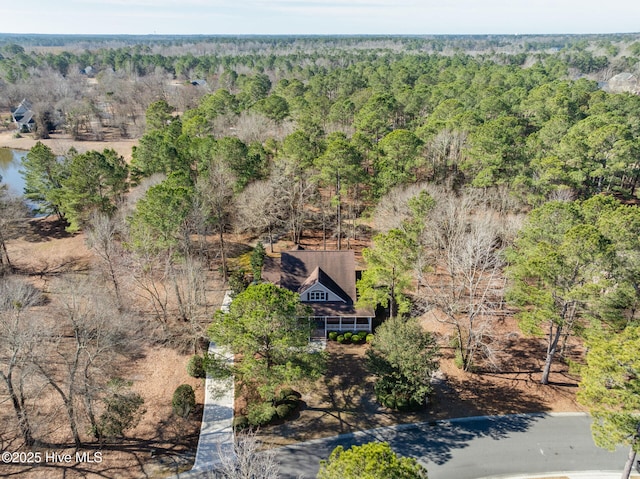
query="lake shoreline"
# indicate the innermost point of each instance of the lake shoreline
(61, 143)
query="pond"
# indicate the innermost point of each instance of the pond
(9, 169)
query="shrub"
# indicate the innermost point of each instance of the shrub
(458, 361)
(261, 414)
(358, 338)
(240, 422)
(286, 393)
(390, 401)
(340, 339)
(195, 367)
(347, 336)
(333, 335)
(369, 337)
(238, 281)
(184, 400)
(123, 410)
(283, 410)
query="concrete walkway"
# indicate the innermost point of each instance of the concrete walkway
(216, 432)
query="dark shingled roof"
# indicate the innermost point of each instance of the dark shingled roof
(319, 276)
(340, 266)
(336, 270)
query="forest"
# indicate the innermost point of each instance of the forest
(477, 177)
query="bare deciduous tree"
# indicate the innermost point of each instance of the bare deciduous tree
(102, 237)
(468, 288)
(81, 353)
(19, 336)
(253, 127)
(393, 209)
(297, 191)
(216, 192)
(247, 460)
(444, 154)
(12, 214)
(149, 276)
(261, 208)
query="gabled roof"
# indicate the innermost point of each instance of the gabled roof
(318, 276)
(23, 114)
(335, 270)
(23, 108)
(338, 271)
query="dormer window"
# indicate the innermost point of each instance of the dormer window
(318, 296)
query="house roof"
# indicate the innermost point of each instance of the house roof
(318, 276)
(335, 270)
(297, 266)
(23, 107)
(23, 114)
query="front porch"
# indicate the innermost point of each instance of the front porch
(324, 324)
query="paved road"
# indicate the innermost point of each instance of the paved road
(475, 448)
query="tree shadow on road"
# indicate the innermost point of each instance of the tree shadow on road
(436, 441)
(432, 442)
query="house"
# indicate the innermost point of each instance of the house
(325, 281)
(623, 82)
(88, 71)
(23, 116)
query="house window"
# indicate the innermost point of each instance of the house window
(317, 296)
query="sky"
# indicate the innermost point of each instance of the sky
(323, 17)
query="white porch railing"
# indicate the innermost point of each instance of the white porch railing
(325, 324)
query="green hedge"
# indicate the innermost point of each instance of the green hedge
(350, 337)
(195, 367)
(261, 414)
(184, 400)
(240, 422)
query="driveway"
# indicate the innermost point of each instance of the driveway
(475, 447)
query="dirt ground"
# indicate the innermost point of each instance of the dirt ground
(162, 443)
(61, 143)
(344, 401)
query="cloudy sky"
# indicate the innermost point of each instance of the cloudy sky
(319, 16)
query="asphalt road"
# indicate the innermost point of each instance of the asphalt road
(474, 448)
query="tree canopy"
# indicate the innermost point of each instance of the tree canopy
(388, 273)
(373, 460)
(610, 388)
(402, 356)
(565, 270)
(268, 326)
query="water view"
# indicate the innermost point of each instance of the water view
(9, 169)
